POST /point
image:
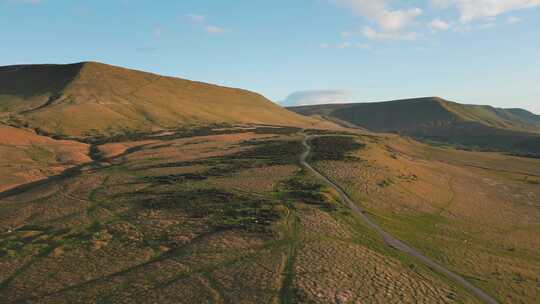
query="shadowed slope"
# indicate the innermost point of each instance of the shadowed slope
(440, 120)
(93, 98)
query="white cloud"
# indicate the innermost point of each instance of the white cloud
(302, 98)
(470, 10)
(345, 45)
(373, 34)
(441, 4)
(396, 20)
(390, 23)
(474, 9)
(346, 34)
(439, 25)
(212, 29)
(201, 21)
(363, 7)
(378, 11)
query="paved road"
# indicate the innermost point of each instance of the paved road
(389, 239)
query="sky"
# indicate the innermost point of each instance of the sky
(298, 52)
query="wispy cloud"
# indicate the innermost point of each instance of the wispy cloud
(345, 45)
(374, 34)
(388, 20)
(212, 29)
(470, 10)
(302, 98)
(389, 23)
(439, 25)
(202, 21)
(513, 20)
(196, 18)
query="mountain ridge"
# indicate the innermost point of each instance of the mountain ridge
(437, 119)
(94, 98)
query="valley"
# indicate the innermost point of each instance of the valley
(270, 152)
(215, 212)
(241, 208)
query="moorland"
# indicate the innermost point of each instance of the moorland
(128, 187)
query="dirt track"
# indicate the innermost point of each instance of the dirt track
(389, 239)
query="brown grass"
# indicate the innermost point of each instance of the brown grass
(103, 99)
(91, 237)
(27, 157)
(476, 213)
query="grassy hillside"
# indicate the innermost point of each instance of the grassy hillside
(440, 120)
(93, 98)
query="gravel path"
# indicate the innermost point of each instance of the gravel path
(389, 239)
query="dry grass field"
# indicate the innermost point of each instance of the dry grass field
(476, 213)
(26, 157)
(218, 218)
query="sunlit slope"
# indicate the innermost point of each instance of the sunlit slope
(441, 120)
(26, 157)
(94, 98)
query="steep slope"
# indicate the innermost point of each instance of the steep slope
(93, 98)
(26, 157)
(437, 119)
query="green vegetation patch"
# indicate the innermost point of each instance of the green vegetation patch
(270, 152)
(334, 148)
(301, 189)
(175, 178)
(222, 210)
(97, 137)
(260, 154)
(277, 130)
(40, 154)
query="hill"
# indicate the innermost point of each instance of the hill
(436, 119)
(96, 99)
(26, 157)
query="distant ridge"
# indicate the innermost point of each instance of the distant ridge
(94, 98)
(437, 119)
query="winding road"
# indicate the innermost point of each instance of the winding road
(389, 239)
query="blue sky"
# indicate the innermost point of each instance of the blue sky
(471, 51)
